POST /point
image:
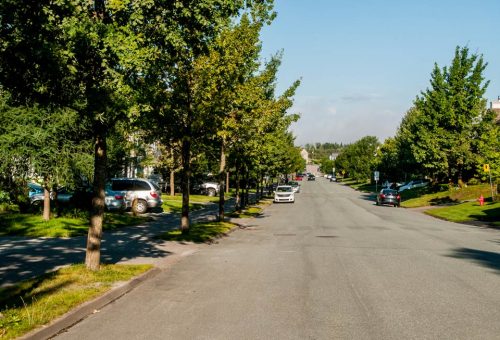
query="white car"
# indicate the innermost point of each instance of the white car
(414, 184)
(284, 193)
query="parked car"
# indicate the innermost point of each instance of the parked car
(295, 186)
(146, 194)
(284, 193)
(36, 194)
(62, 194)
(389, 196)
(114, 200)
(418, 183)
(333, 179)
(311, 177)
(210, 188)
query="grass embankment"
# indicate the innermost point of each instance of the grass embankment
(428, 196)
(34, 226)
(36, 302)
(469, 211)
(207, 232)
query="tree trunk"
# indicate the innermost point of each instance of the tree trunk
(186, 175)
(247, 187)
(237, 194)
(93, 255)
(222, 177)
(227, 182)
(172, 183)
(46, 200)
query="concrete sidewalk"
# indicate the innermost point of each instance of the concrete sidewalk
(23, 258)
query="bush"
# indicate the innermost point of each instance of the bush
(474, 181)
(4, 197)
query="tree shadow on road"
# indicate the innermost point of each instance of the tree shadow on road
(484, 258)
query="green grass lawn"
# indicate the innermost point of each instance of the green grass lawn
(199, 232)
(469, 211)
(174, 203)
(36, 302)
(421, 197)
(34, 226)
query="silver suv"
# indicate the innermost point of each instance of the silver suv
(146, 194)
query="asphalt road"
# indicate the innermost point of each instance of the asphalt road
(331, 266)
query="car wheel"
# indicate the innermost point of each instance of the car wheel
(377, 203)
(211, 192)
(140, 206)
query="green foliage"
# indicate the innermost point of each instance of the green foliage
(443, 132)
(358, 160)
(323, 150)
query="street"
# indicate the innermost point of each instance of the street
(331, 266)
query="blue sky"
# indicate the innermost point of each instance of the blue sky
(362, 63)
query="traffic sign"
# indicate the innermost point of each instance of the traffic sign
(486, 167)
(376, 175)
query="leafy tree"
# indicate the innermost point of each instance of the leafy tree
(447, 116)
(359, 159)
(42, 143)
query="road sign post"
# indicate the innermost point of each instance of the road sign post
(486, 168)
(376, 177)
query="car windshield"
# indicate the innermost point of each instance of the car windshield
(284, 189)
(293, 184)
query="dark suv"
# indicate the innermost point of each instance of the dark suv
(146, 194)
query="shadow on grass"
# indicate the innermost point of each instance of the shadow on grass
(443, 200)
(489, 215)
(484, 258)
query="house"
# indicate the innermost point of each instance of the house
(495, 106)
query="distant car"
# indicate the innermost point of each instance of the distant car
(333, 179)
(328, 176)
(389, 196)
(418, 183)
(284, 193)
(311, 177)
(146, 194)
(295, 186)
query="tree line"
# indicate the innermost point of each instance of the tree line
(447, 135)
(83, 82)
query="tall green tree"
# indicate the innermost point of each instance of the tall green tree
(447, 116)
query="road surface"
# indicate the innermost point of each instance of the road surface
(331, 266)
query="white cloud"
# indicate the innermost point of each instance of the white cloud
(346, 120)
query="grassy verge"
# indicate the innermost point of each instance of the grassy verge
(38, 301)
(34, 226)
(252, 211)
(469, 211)
(200, 232)
(196, 202)
(421, 197)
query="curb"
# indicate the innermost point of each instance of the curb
(81, 312)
